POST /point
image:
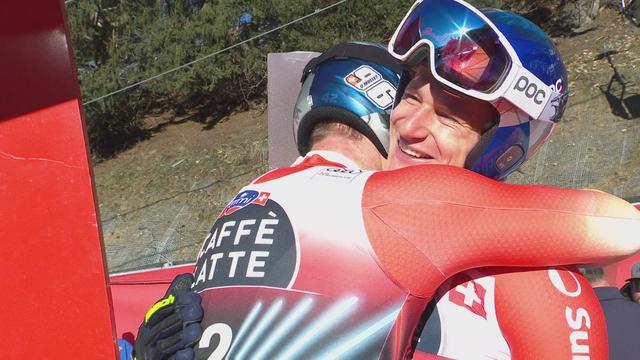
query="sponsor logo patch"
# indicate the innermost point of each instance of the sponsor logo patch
(531, 90)
(243, 199)
(339, 173)
(252, 245)
(578, 319)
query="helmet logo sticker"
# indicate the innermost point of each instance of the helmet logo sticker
(555, 108)
(557, 87)
(243, 199)
(530, 90)
(369, 81)
(553, 111)
(363, 77)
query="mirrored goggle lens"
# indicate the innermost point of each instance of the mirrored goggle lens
(635, 284)
(468, 52)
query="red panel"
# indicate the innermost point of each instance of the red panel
(134, 293)
(51, 260)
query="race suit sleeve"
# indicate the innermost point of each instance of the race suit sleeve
(429, 222)
(550, 314)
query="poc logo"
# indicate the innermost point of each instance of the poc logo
(557, 87)
(530, 90)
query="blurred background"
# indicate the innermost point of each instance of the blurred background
(174, 97)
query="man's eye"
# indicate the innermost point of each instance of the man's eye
(447, 119)
(410, 96)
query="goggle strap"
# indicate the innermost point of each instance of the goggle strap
(530, 94)
(366, 52)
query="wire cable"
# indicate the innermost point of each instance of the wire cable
(128, 87)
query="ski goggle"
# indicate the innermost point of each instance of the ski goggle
(467, 53)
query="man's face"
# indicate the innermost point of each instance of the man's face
(432, 125)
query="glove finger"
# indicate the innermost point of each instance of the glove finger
(186, 335)
(172, 319)
(187, 298)
(184, 354)
(167, 305)
(189, 307)
(169, 345)
(191, 314)
(159, 312)
(179, 341)
(181, 282)
(191, 334)
(168, 327)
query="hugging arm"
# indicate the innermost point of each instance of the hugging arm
(445, 220)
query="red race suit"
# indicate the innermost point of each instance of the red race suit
(322, 260)
(504, 313)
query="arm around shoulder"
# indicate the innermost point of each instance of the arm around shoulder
(459, 220)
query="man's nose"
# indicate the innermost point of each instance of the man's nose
(418, 124)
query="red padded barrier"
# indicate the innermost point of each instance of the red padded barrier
(56, 300)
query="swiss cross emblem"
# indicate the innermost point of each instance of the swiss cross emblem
(243, 199)
(262, 198)
(469, 295)
(353, 80)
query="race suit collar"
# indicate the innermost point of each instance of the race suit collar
(330, 156)
(312, 159)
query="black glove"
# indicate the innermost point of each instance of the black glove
(172, 325)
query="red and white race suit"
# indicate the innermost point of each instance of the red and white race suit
(500, 313)
(322, 260)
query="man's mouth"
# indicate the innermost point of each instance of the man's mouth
(412, 153)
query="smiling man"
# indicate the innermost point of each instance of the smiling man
(349, 259)
(484, 89)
